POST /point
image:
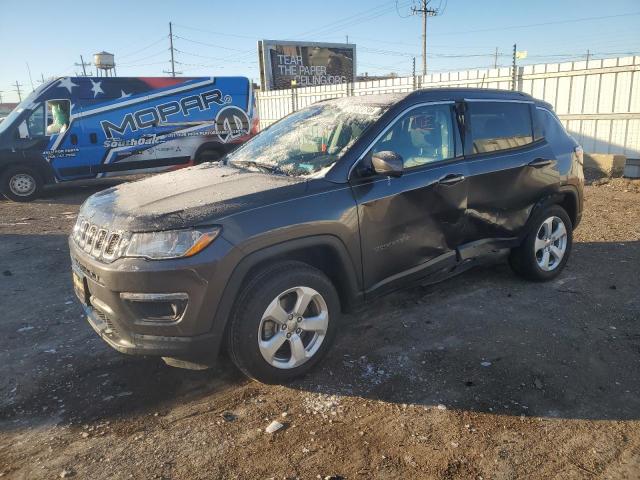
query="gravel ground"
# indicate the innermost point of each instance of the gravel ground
(482, 376)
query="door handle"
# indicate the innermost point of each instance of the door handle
(540, 162)
(451, 179)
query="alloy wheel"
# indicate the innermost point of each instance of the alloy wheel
(551, 243)
(293, 327)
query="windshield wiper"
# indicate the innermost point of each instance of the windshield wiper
(259, 165)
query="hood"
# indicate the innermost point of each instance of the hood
(184, 198)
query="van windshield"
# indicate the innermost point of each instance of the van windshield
(8, 121)
(310, 141)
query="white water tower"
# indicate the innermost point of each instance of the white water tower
(105, 64)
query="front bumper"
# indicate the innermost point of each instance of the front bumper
(106, 291)
(140, 344)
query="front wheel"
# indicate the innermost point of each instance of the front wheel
(283, 322)
(545, 250)
(20, 184)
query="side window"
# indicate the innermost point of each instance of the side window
(58, 114)
(550, 126)
(35, 123)
(500, 125)
(423, 135)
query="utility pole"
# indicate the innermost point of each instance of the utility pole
(413, 72)
(426, 12)
(30, 78)
(173, 65)
(588, 56)
(495, 59)
(514, 69)
(18, 91)
(83, 65)
(173, 62)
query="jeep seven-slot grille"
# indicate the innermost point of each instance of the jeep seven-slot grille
(100, 243)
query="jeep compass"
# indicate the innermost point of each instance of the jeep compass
(331, 206)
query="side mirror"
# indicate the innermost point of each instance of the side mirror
(23, 131)
(388, 163)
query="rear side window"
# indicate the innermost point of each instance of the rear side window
(499, 125)
(550, 126)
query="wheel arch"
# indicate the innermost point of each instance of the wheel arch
(327, 253)
(566, 197)
(41, 166)
(219, 147)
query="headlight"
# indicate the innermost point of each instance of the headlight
(171, 244)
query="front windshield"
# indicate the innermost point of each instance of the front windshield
(8, 121)
(310, 141)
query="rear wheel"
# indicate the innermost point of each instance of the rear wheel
(283, 322)
(545, 250)
(20, 184)
(209, 155)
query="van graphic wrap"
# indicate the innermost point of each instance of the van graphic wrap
(94, 127)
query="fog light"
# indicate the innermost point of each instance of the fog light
(157, 307)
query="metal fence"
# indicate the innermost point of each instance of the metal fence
(597, 101)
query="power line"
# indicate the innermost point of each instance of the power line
(213, 45)
(356, 19)
(162, 39)
(134, 62)
(133, 65)
(215, 58)
(558, 22)
(214, 32)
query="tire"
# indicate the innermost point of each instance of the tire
(253, 321)
(21, 183)
(208, 155)
(536, 258)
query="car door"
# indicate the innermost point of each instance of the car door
(65, 134)
(509, 169)
(410, 225)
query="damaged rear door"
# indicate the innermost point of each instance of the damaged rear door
(509, 169)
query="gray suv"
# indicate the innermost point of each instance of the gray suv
(333, 205)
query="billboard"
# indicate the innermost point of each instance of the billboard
(305, 64)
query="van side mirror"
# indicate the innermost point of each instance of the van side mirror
(23, 130)
(387, 163)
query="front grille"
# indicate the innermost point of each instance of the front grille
(99, 242)
(112, 243)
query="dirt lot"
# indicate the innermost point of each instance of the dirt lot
(483, 376)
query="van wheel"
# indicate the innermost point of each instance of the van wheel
(283, 322)
(545, 250)
(21, 184)
(208, 156)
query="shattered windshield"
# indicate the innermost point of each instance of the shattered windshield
(310, 141)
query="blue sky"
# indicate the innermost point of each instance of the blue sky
(219, 38)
